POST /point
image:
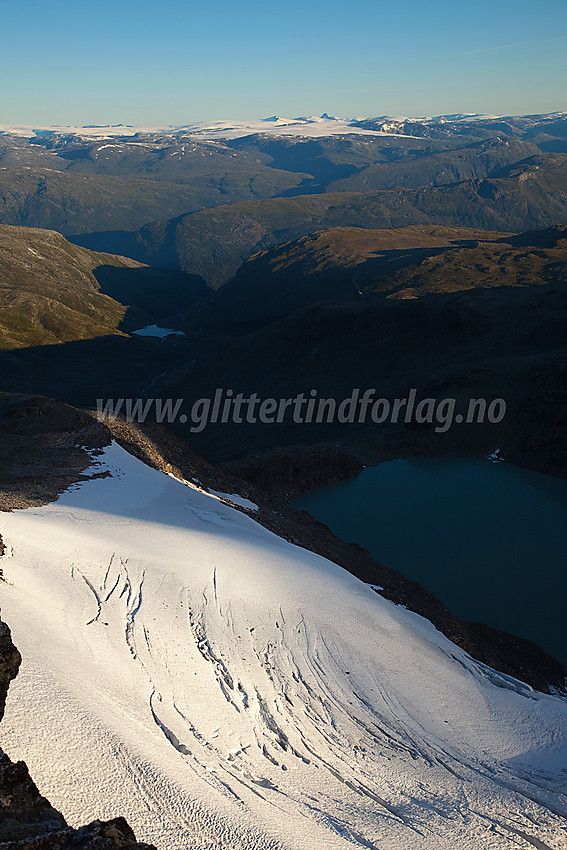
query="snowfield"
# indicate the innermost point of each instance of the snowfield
(222, 688)
(312, 126)
(308, 127)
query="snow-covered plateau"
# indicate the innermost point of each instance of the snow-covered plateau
(308, 127)
(226, 129)
(222, 688)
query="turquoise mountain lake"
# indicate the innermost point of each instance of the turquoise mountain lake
(488, 539)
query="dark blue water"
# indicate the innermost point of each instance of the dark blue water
(488, 539)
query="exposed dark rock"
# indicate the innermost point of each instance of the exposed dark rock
(10, 660)
(99, 835)
(289, 471)
(24, 813)
(43, 448)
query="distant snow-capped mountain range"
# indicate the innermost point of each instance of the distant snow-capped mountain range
(323, 125)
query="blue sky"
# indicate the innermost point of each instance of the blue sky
(174, 62)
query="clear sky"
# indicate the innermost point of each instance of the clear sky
(178, 61)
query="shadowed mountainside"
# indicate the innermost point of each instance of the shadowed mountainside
(463, 318)
(466, 318)
(350, 263)
(335, 264)
(213, 243)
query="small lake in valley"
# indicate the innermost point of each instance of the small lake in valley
(488, 539)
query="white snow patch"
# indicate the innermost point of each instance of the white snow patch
(236, 499)
(223, 497)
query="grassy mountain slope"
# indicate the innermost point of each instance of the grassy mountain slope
(52, 291)
(76, 203)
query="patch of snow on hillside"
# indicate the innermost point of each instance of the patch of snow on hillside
(236, 499)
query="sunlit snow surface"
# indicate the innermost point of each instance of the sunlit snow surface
(312, 126)
(221, 688)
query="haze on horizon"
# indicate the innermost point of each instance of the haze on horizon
(180, 62)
